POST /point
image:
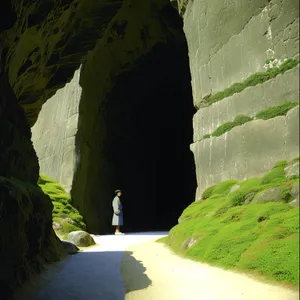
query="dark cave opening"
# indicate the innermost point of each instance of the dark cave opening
(149, 121)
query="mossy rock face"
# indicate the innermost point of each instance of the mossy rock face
(27, 240)
(66, 217)
(269, 195)
(292, 171)
(224, 231)
(81, 238)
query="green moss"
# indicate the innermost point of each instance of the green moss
(208, 192)
(275, 111)
(206, 136)
(62, 205)
(266, 114)
(275, 176)
(253, 80)
(259, 237)
(238, 121)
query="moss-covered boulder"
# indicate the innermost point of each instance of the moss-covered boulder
(81, 238)
(221, 229)
(27, 240)
(66, 217)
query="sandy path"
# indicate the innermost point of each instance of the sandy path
(165, 276)
(90, 275)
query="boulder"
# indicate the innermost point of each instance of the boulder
(295, 190)
(249, 197)
(292, 170)
(295, 202)
(269, 195)
(81, 238)
(69, 247)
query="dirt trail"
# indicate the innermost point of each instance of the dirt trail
(169, 277)
(148, 270)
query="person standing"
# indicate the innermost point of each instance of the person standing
(117, 219)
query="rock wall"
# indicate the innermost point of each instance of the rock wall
(135, 121)
(27, 241)
(229, 42)
(53, 134)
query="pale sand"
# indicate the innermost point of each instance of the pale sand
(161, 275)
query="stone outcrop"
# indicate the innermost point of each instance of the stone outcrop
(119, 143)
(53, 134)
(227, 44)
(81, 238)
(27, 241)
(47, 44)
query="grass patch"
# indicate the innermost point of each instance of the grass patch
(63, 211)
(265, 114)
(261, 238)
(253, 80)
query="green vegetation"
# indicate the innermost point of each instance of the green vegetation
(275, 111)
(63, 213)
(253, 80)
(238, 121)
(265, 114)
(260, 238)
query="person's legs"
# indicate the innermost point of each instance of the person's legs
(118, 228)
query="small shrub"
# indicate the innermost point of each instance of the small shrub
(276, 111)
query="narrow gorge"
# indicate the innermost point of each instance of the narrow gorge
(162, 99)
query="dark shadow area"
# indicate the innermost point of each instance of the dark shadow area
(86, 275)
(134, 133)
(149, 121)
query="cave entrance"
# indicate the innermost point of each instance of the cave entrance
(149, 121)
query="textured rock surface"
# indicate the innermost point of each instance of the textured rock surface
(53, 134)
(47, 44)
(27, 240)
(249, 102)
(81, 238)
(69, 247)
(270, 195)
(227, 44)
(247, 151)
(292, 170)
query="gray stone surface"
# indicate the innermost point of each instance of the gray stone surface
(248, 102)
(53, 134)
(295, 190)
(292, 170)
(246, 151)
(81, 238)
(69, 247)
(269, 195)
(229, 41)
(295, 202)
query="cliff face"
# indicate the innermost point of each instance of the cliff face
(27, 240)
(229, 43)
(47, 43)
(53, 134)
